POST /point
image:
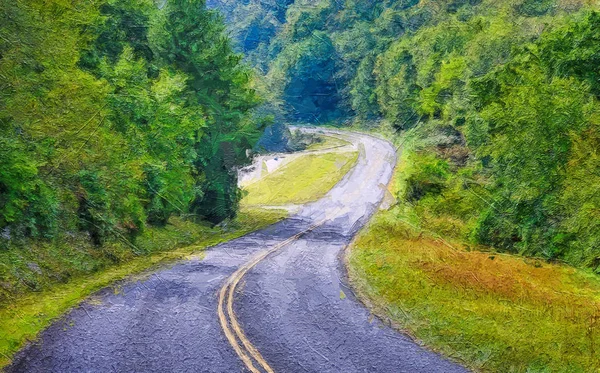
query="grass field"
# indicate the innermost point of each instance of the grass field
(23, 317)
(304, 179)
(492, 312)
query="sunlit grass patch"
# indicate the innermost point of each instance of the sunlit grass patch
(24, 316)
(493, 312)
(304, 179)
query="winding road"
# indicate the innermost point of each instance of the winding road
(272, 301)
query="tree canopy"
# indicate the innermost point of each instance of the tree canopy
(118, 114)
(503, 96)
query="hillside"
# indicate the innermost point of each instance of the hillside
(115, 117)
(456, 200)
(502, 96)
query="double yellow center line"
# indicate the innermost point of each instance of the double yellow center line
(231, 327)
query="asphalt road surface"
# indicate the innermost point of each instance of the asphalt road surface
(289, 311)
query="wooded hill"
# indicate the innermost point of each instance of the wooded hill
(117, 114)
(122, 124)
(501, 98)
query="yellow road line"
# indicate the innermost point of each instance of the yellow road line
(248, 351)
(230, 337)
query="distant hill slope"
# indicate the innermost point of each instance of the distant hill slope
(502, 97)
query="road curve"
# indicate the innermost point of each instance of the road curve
(292, 305)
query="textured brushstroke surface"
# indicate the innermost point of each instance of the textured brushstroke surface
(293, 306)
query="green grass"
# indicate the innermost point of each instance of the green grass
(304, 179)
(25, 314)
(492, 312)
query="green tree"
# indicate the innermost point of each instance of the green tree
(191, 39)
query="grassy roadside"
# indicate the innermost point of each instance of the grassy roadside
(304, 179)
(78, 269)
(492, 312)
(21, 319)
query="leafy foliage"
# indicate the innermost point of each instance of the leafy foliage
(503, 95)
(116, 115)
(525, 116)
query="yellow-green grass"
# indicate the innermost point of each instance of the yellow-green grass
(305, 179)
(23, 318)
(492, 312)
(328, 142)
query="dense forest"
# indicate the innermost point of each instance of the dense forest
(122, 126)
(500, 99)
(115, 115)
